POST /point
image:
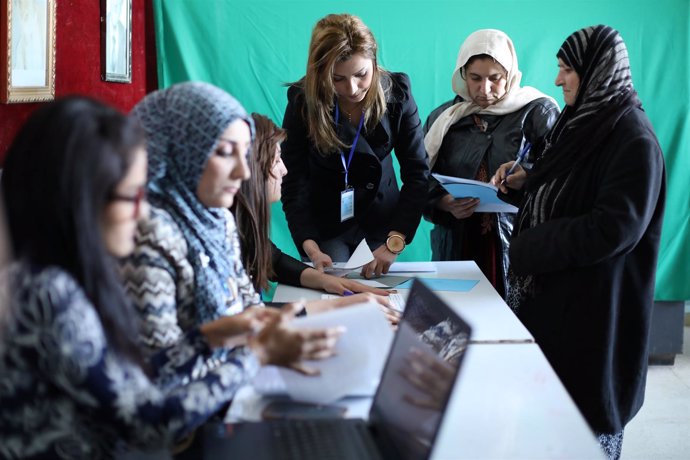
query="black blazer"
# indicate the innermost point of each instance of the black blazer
(311, 189)
(286, 269)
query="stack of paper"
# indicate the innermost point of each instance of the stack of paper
(355, 369)
(358, 259)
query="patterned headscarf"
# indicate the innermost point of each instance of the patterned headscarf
(499, 46)
(183, 124)
(605, 95)
(600, 58)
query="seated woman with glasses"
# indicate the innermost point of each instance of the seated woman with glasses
(75, 383)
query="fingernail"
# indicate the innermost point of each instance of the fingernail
(346, 292)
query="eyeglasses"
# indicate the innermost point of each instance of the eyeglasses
(136, 199)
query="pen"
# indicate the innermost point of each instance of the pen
(521, 156)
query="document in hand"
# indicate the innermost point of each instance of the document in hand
(466, 188)
(359, 258)
(354, 370)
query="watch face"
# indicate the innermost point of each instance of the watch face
(395, 244)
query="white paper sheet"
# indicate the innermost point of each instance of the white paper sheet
(358, 259)
(371, 283)
(412, 267)
(355, 369)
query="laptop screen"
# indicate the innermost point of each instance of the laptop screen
(419, 376)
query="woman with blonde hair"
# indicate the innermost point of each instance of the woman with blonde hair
(343, 120)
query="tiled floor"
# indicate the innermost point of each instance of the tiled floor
(661, 430)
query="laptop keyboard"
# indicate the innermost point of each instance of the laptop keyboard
(397, 301)
(322, 439)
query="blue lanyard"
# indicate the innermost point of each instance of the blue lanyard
(346, 166)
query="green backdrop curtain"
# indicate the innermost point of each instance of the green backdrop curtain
(253, 47)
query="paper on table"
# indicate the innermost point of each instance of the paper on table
(355, 369)
(385, 281)
(487, 193)
(373, 282)
(412, 267)
(359, 258)
(442, 284)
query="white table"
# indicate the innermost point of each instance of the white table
(508, 403)
(483, 309)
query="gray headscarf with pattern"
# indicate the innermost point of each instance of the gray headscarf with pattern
(605, 95)
(183, 124)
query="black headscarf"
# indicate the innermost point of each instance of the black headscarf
(605, 95)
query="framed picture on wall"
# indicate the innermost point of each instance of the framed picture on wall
(116, 40)
(27, 50)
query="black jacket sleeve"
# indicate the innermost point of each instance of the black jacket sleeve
(287, 269)
(414, 163)
(295, 186)
(435, 190)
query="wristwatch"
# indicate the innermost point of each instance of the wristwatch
(395, 244)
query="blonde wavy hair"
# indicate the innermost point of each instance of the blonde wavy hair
(336, 38)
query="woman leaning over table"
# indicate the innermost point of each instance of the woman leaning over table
(584, 248)
(489, 122)
(343, 119)
(74, 382)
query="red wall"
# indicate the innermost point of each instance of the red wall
(78, 62)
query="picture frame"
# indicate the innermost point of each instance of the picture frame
(27, 50)
(116, 41)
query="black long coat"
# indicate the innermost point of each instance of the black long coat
(595, 264)
(311, 189)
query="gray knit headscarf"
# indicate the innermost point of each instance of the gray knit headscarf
(183, 124)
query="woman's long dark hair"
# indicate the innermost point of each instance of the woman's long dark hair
(59, 173)
(252, 209)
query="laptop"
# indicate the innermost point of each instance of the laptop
(407, 410)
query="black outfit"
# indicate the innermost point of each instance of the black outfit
(593, 264)
(287, 269)
(584, 249)
(474, 150)
(312, 188)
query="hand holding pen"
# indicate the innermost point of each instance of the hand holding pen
(501, 175)
(521, 156)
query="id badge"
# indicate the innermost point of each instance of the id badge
(347, 204)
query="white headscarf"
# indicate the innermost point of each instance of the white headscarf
(500, 47)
